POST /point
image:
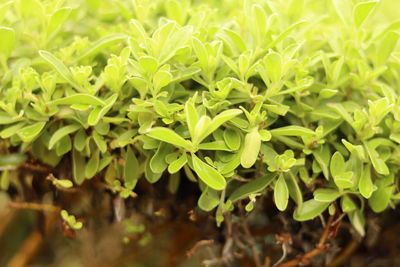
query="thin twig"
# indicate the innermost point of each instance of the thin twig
(198, 244)
(320, 247)
(34, 206)
(250, 240)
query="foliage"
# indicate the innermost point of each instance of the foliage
(240, 97)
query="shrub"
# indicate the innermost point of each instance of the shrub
(244, 98)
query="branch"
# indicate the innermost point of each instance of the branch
(320, 247)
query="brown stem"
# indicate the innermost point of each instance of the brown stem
(34, 206)
(320, 247)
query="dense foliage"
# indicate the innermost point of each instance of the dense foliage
(244, 98)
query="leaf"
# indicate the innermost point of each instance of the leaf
(161, 79)
(281, 193)
(92, 165)
(326, 195)
(347, 204)
(80, 140)
(357, 219)
(380, 198)
(99, 112)
(208, 174)
(379, 164)
(57, 18)
(100, 45)
(78, 167)
(232, 138)
(177, 164)
(157, 162)
(218, 120)
(192, 116)
(59, 67)
(252, 144)
(61, 132)
(362, 10)
(7, 44)
(169, 136)
(365, 184)
(208, 200)
(215, 145)
(131, 168)
(292, 130)
(28, 133)
(82, 99)
(337, 165)
(252, 187)
(309, 210)
(322, 156)
(273, 64)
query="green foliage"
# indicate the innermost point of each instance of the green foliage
(138, 91)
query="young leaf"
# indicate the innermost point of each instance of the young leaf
(362, 10)
(208, 174)
(326, 195)
(337, 165)
(281, 193)
(365, 184)
(82, 99)
(208, 200)
(309, 210)
(131, 168)
(28, 133)
(292, 130)
(7, 44)
(59, 67)
(252, 144)
(177, 164)
(255, 186)
(169, 136)
(60, 133)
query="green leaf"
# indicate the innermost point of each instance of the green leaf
(252, 187)
(82, 99)
(57, 18)
(281, 193)
(337, 165)
(99, 112)
(292, 130)
(362, 10)
(161, 79)
(232, 138)
(169, 136)
(326, 195)
(217, 121)
(252, 144)
(208, 174)
(309, 210)
(100, 45)
(28, 133)
(215, 145)
(208, 200)
(273, 64)
(59, 67)
(177, 164)
(380, 198)
(131, 168)
(357, 219)
(7, 44)
(192, 116)
(365, 184)
(157, 162)
(379, 164)
(347, 204)
(78, 167)
(61, 132)
(92, 165)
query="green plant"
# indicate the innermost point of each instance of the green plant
(278, 97)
